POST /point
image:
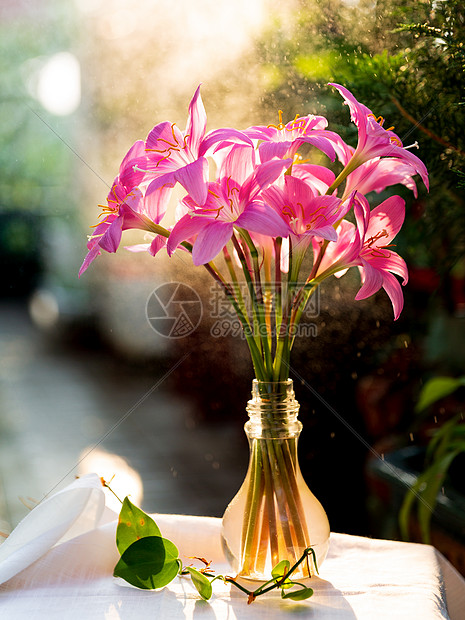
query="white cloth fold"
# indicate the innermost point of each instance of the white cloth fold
(68, 513)
(58, 565)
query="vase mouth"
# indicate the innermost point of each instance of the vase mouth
(275, 391)
(284, 382)
(260, 387)
(273, 402)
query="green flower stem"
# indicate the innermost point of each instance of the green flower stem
(254, 254)
(301, 302)
(241, 312)
(317, 263)
(289, 449)
(273, 498)
(257, 298)
(352, 164)
(282, 327)
(273, 447)
(252, 507)
(255, 354)
(282, 339)
(232, 272)
(263, 590)
(268, 294)
(285, 464)
(277, 271)
(151, 226)
(280, 345)
(281, 362)
(260, 341)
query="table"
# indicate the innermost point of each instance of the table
(58, 564)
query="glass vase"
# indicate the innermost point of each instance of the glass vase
(274, 516)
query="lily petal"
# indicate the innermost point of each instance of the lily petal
(326, 232)
(156, 201)
(223, 138)
(269, 150)
(238, 165)
(112, 237)
(264, 175)
(161, 137)
(372, 281)
(91, 256)
(157, 244)
(316, 176)
(187, 227)
(392, 262)
(194, 179)
(196, 122)
(260, 218)
(393, 289)
(210, 241)
(388, 216)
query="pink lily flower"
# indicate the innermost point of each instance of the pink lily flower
(126, 208)
(377, 174)
(179, 156)
(319, 178)
(233, 201)
(159, 242)
(284, 140)
(374, 140)
(307, 214)
(368, 246)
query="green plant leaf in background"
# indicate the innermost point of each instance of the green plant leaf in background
(149, 563)
(447, 443)
(133, 524)
(202, 584)
(437, 388)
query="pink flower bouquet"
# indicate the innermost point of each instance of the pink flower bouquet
(265, 211)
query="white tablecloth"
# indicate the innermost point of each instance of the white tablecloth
(70, 540)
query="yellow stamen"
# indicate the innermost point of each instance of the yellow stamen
(395, 140)
(298, 159)
(379, 253)
(295, 124)
(287, 210)
(207, 211)
(280, 124)
(379, 235)
(380, 121)
(175, 146)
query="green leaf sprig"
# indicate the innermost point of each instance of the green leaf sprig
(149, 561)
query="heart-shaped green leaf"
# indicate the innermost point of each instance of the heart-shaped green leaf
(149, 563)
(202, 583)
(279, 571)
(298, 595)
(133, 524)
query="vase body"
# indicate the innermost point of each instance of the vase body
(274, 516)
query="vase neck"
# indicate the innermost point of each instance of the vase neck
(273, 407)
